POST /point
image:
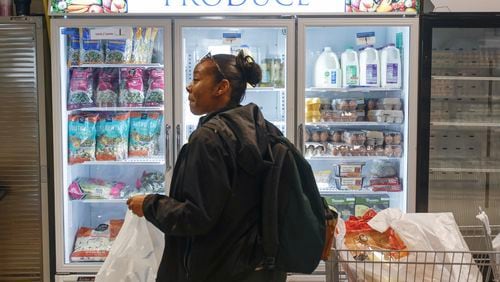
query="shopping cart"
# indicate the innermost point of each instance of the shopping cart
(481, 264)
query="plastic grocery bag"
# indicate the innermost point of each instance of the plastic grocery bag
(135, 254)
(444, 254)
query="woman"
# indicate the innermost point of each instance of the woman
(210, 219)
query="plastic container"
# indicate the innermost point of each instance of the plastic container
(327, 72)
(369, 68)
(350, 68)
(390, 67)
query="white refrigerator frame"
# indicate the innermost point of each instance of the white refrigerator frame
(60, 164)
(289, 24)
(411, 110)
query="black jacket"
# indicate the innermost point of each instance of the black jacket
(210, 219)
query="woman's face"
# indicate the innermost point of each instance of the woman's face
(204, 90)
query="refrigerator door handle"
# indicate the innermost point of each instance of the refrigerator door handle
(301, 138)
(178, 137)
(167, 146)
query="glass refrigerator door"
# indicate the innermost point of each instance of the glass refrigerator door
(464, 162)
(111, 121)
(268, 42)
(355, 107)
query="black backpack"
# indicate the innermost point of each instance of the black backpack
(294, 215)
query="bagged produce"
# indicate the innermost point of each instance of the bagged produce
(145, 129)
(154, 93)
(107, 88)
(93, 244)
(81, 88)
(81, 138)
(94, 188)
(112, 136)
(131, 87)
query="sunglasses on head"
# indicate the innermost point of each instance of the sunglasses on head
(208, 56)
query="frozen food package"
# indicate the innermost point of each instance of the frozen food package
(131, 87)
(336, 136)
(107, 88)
(151, 182)
(155, 88)
(367, 202)
(95, 188)
(119, 51)
(349, 169)
(81, 88)
(73, 45)
(144, 39)
(93, 244)
(81, 138)
(348, 183)
(382, 168)
(91, 51)
(386, 184)
(145, 129)
(344, 204)
(112, 136)
(322, 178)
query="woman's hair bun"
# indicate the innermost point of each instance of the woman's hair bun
(251, 71)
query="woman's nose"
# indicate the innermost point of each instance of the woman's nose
(188, 87)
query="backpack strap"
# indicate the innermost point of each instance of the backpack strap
(270, 205)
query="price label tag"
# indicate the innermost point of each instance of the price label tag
(110, 33)
(365, 38)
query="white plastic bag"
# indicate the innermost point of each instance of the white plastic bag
(135, 254)
(420, 232)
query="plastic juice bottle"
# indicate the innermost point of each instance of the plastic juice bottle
(390, 67)
(327, 72)
(350, 68)
(369, 68)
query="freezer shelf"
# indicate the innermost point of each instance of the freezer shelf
(117, 109)
(351, 89)
(159, 160)
(355, 123)
(118, 66)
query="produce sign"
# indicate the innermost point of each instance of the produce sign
(382, 6)
(88, 6)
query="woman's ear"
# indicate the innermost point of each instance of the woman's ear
(224, 87)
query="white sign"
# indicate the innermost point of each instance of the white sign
(99, 33)
(280, 7)
(466, 6)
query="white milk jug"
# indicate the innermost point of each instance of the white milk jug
(390, 67)
(369, 69)
(350, 68)
(327, 71)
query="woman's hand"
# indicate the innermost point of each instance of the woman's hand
(135, 204)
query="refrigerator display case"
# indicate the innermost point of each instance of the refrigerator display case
(112, 111)
(459, 127)
(269, 41)
(357, 97)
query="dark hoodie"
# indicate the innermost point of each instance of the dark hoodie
(210, 219)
